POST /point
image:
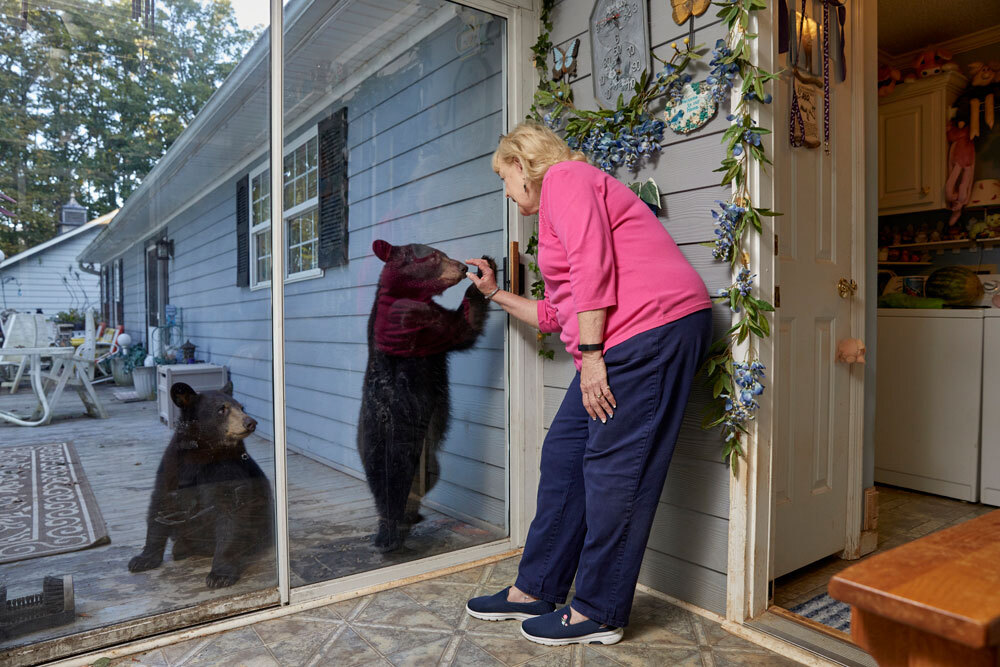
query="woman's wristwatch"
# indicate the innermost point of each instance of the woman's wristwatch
(591, 347)
(489, 297)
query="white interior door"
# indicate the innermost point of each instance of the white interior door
(814, 190)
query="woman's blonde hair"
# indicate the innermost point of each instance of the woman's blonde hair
(536, 147)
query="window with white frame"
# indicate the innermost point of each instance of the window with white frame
(299, 204)
(260, 228)
(300, 212)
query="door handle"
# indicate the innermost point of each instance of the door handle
(924, 191)
(846, 288)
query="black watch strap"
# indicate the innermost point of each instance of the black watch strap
(591, 347)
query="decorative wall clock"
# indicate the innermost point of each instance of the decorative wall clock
(619, 39)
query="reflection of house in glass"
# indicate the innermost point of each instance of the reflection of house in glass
(392, 110)
(421, 119)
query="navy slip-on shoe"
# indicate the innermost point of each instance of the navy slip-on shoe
(496, 608)
(554, 629)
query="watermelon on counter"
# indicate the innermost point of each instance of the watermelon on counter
(956, 285)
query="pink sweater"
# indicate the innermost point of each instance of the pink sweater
(599, 246)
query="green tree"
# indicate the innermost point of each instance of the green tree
(90, 99)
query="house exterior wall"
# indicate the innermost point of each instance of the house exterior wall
(420, 140)
(687, 552)
(51, 279)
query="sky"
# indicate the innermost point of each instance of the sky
(252, 12)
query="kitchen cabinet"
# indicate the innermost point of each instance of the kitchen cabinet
(928, 401)
(912, 146)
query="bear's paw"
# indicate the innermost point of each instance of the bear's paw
(144, 562)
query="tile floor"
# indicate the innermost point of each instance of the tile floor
(425, 624)
(903, 517)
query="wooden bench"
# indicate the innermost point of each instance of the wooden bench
(933, 601)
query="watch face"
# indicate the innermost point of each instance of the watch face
(619, 48)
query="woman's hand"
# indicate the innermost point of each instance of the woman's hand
(597, 397)
(487, 282)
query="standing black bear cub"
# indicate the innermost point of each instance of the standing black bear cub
(210, 497)
(405, 401)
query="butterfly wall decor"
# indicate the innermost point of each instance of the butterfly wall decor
(565, 60)
(685, 9)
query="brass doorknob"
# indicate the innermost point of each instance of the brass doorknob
(925, 191)
(846, 287)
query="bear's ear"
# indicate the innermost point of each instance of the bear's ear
(228, 389)
(182, 395)
(382, 249)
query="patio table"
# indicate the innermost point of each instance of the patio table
(67, 369)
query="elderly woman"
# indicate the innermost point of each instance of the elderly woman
(636, 317)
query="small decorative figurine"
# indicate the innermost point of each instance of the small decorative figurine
(851, 351)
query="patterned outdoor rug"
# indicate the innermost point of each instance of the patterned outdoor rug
(46, 504)
(824, 609)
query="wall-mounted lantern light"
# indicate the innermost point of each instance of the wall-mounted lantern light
(164, 249)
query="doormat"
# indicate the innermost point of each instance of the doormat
(824, 609)
(46, 504)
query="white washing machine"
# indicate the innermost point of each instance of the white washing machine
(989, 478)
(928, 400)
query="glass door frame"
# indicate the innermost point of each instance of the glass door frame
(523, 377)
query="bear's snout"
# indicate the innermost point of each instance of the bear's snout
(250, 423)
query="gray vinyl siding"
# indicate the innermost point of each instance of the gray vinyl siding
(134, 296)
(420, 142)
(687, 552)
(42, 279)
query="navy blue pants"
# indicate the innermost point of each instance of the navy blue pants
(600, 483)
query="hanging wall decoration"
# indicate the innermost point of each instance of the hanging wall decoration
(565, 60)
(685, 9)
(807, 92)
(619, 47)
(692, 110)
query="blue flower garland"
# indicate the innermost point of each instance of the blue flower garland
(736, 385)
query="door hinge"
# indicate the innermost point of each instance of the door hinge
(777, 296)
(775, 245)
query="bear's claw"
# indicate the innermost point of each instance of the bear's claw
(220, 580)
(144, 562)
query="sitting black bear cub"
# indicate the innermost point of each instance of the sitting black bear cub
(404, 396)
(210, 497)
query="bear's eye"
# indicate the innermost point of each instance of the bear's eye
(223, 409)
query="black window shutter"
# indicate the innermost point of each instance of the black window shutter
(333, 190)
(120, 303)
(243, 232)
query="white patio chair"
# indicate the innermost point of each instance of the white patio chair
(86, 352)
(107, 346)
(21, 330)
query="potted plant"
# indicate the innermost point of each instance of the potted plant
(125, 361)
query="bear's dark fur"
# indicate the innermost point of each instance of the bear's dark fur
(210, 497)
(405, 400)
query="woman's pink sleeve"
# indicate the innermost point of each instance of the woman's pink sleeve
(575, 208)
(547, 322)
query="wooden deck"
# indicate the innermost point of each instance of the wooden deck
(331, 520)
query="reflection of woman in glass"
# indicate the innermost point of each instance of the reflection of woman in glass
(636, 317)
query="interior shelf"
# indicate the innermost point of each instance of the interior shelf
(946, 245)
